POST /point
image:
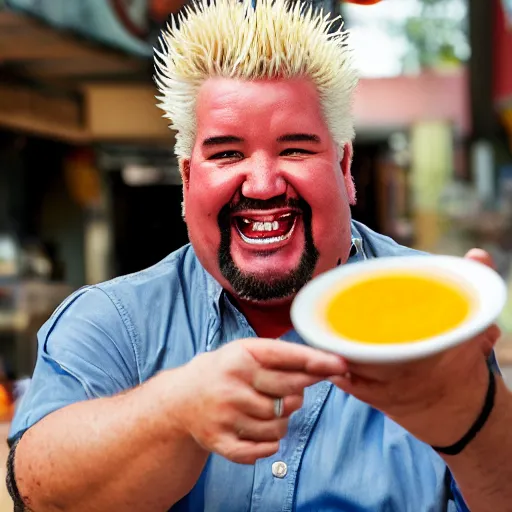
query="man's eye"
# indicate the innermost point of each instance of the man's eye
(296, 151)
(227, 155)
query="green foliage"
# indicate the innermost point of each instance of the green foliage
(438, 36)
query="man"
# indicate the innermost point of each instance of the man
(152, 392)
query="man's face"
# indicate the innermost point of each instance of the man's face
(266, 192)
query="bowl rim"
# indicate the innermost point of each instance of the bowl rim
(487, 286)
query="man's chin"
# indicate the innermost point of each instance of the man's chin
(263, 302)
(267, 277)
(270, 280)
(264, 289)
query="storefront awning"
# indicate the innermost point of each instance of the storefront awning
(126, 25)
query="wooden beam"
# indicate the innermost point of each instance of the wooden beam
(42, 127)
(104, 113)
(30, 111)
(11, 20)
(76, 68)
(23, 39)
(26, 43)
(124, 112)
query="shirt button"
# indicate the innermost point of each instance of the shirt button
(279, 469)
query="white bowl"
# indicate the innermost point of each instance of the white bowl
(485, 287)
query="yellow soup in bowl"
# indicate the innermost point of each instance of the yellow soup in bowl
(397, 308)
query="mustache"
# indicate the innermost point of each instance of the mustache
(246, 203)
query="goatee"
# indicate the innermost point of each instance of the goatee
(249, 286)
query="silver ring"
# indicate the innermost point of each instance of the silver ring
(278, 407)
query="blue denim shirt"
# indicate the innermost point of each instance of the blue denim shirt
(340, 454)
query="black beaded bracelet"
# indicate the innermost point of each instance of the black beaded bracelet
(456, 448)
(10, 480)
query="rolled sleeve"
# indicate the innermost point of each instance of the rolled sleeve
(458, 500)
(85, 351)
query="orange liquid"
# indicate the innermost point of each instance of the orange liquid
(397, 308)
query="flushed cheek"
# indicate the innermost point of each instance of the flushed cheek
(201, 217)
(209, 191)
(324, 190)
(330, 220)
(214, 185)
(330, 234)
(202, 230)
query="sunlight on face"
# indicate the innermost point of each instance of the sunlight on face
(266, 200)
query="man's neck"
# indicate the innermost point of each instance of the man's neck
(267, 321)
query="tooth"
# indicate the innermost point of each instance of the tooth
(246, 221)
(255, 226)
(268, 226)
(275, 225)
(265, 240)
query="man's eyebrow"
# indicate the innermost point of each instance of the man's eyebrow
(221, 139)
(299, 137)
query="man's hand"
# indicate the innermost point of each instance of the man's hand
(437, 399)
(226, 397)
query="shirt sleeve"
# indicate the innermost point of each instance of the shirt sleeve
(85, 351)
(458, 503)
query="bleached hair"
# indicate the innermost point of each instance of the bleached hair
(234, 39)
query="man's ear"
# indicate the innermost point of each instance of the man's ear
(184, 165)
(346, 165)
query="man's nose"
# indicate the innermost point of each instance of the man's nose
(263, 179)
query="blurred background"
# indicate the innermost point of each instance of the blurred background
(89, 187)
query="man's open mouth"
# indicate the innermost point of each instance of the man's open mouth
(269, 228)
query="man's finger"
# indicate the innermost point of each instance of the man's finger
(262, 407)
(261, 431)
(278, 383)
(247, 452)
(489, 338)
(283, 355)
(481, 256)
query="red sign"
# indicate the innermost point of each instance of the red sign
(159, 10)
(139, 16)
(502, 55)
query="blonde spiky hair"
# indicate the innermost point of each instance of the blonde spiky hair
(233, 39)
